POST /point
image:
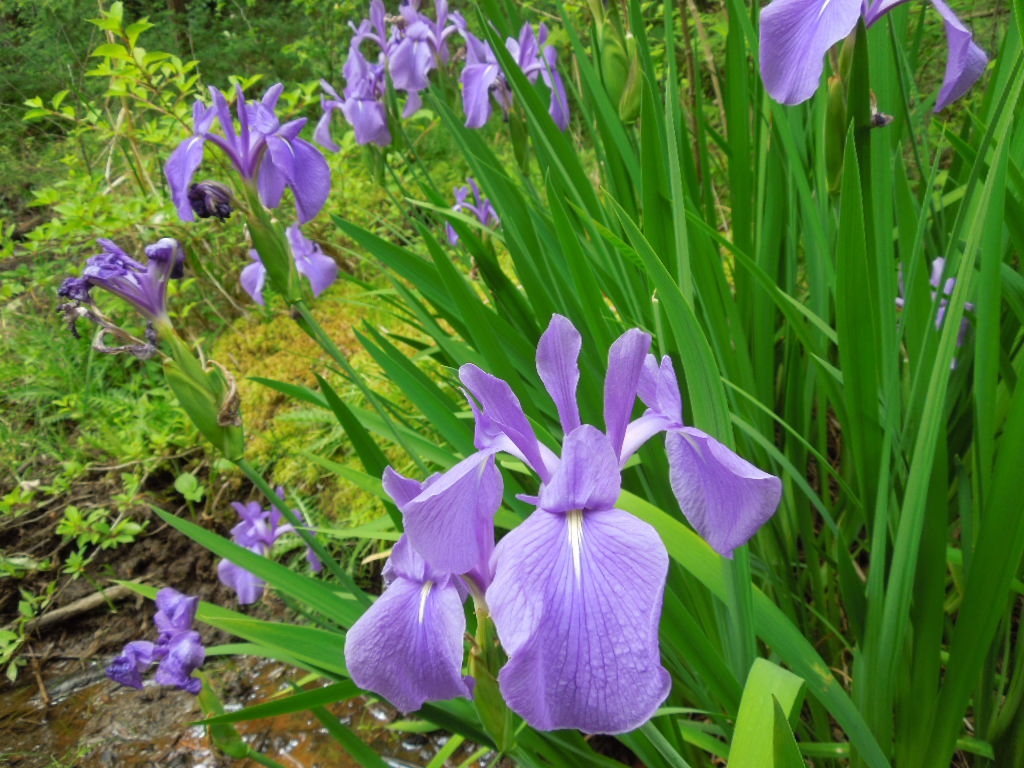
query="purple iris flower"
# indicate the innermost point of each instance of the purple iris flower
(796, 35)
(258, 532)
(947, 286)
(310, 260)
(481, 207)
(575, 591)
(482, 77)
(363, 105)
(142, 285)
(178, 650)
(263, 151)
(419, 44)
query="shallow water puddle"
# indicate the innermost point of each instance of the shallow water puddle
(92, 722)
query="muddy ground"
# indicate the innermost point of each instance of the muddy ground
(62, 711)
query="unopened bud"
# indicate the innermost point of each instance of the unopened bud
(614, 63)
(210, 199)
(629, 101)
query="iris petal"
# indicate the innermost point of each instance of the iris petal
(503, 410)
(625, 364)
(795, 36)
(180, 169)
(557, 363)
(583, 649)
(725, 497)
(451, 522)
(587, 477)
(310, 180)
(408, 645)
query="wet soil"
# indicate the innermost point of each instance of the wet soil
(91, 722)
(63, 711)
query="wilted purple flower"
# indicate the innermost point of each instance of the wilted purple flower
(408, 645)
(179, 649)
(575, 591)
(310, 260)
(482, 77)
(796, 35)
(210, 199)
(481, 207)
(142, 285)
(263, 151)
(258, 532)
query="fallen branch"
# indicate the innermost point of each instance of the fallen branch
(82, 605)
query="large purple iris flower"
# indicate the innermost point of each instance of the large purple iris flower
(258, 532)
(796, 34)
(178, 650)
(481, 207)
(482, 77)
(263, 151)
(142, 285)
(575, 591)
(310, 260)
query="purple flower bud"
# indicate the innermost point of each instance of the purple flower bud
(210, 199)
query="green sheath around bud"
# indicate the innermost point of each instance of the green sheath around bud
(271, 244)
(485, 660)
(629, 102)
(836, 120)
(614, 63)
(207, 396)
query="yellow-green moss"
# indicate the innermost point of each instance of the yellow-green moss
(281, 430)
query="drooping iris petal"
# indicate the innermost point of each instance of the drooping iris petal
(559, 109)
(557, 364)
(587, 477)
(725, 497)
(311, 261)
(625, 363)
(180, 169)
(966, 61)
(582, 645)
(477, 80)
(311, 179)
(450, 522)
(503, 409)
(175, 611)
(369, 119)
(399, 487)
(795, 36)
(254, 278)
(248, 585)
(407, 647)
(659, 388)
